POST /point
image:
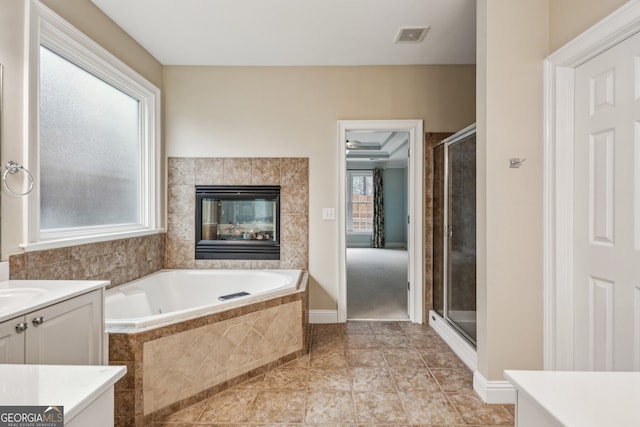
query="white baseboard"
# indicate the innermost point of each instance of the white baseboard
(395, 245)
(323, 316)
(489, 391)
(459, 345)
(494, 391)
(387, 245)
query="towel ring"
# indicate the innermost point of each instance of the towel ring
(13, 168)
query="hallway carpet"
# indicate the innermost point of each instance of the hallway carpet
(357, 374)
(377, 284)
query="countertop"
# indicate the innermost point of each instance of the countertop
(584, 399)
(73, 387)
(46, 292)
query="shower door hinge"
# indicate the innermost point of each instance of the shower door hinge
(408, 286)
(408, 219)
(408, 152)
(448, 231)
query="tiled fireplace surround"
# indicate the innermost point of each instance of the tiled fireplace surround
(124, 260)
(292, 174)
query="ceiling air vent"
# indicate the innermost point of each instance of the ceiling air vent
(411, 35)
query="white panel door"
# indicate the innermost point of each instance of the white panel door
(606, 263)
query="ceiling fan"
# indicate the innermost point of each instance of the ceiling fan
(353, 144)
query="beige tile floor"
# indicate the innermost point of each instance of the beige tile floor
(356, 374)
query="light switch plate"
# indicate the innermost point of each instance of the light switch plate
(329, 214)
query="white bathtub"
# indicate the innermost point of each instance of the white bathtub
(171, 296)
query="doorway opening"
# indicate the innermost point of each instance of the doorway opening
(380, 220)
(376, 219)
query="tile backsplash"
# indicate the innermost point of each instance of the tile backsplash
(119, 261)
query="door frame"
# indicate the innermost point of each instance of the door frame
(559, 71)
(458, 137)
(415, 209)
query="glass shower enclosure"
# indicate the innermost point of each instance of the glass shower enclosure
(454, 231)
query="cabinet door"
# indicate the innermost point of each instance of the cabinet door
(11, 341)
(67, 333)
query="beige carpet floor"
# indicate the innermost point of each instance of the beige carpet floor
(377, 284)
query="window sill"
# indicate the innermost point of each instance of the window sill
(75, 241)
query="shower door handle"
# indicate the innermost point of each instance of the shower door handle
(448, 231)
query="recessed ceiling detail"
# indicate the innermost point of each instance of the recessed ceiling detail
(411, 35)
(369, 149)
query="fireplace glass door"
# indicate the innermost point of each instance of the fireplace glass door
(235, 222)
(238, 219)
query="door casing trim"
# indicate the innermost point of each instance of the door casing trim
(559, 71)
(415, 208)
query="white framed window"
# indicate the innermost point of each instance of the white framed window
(360, 201)
(94, 145)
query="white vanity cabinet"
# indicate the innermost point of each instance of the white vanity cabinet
(11, 343)
(70, 332)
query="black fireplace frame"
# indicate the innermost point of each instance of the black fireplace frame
(237, 249)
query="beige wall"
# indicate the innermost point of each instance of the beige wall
(512, 42)
(514, 37)
(13, 120)
(569, 18)
(86, 17)
(90, 20)
(292, 112)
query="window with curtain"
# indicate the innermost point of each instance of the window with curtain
(360, 201)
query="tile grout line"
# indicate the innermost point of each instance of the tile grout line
(406, 413)
(306, 391)
(444, 393)
(353, 399)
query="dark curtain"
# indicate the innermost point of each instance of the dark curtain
(377, 240)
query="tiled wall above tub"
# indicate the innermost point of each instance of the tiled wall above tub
(119, 261)
(292, 174)
(431, 140)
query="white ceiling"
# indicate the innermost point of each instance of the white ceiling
(297, 32)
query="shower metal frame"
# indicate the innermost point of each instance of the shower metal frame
(447, 229)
